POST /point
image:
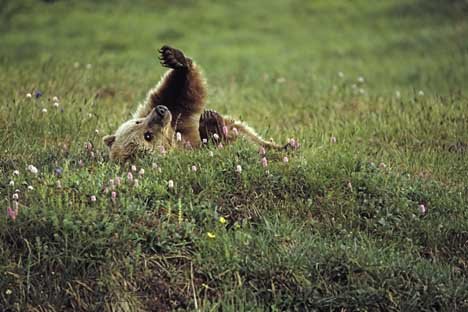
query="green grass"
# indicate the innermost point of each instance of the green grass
(337, 228)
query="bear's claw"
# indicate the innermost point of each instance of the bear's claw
(172, 58)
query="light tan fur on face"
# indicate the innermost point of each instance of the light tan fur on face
(129, 139)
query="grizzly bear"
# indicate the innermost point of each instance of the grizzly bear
(173, 115)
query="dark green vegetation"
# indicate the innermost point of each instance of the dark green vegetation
(338, 228)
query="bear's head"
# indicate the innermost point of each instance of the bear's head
(138, 135)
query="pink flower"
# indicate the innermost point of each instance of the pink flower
(162, 150)
(113, 196)
(264, 162)
(12, 213)
(285, 159)
(129, 176)
(293, 143)
(236, 132)
(261, 151)
(422, 209)
(194, 168)
(225, 130)
(220, 145)
(93, 198)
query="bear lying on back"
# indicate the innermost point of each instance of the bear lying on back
(173, 115)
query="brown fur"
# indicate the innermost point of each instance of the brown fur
(182, 90)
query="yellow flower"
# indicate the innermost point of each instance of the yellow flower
(222, 220)
(211, 235)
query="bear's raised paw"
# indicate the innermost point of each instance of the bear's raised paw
(173, 58)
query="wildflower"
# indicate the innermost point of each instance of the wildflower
(204, 141)
(397, 94)
(30, 187)
(280, 80)
(293, 143)
(264, 162)
(238, 169)
(211, 235)
(16, 172)
(154, 165)
(56, 104)
(333, 140)
(285, 159)
(211, 153)
(236, 132)
(12, 183)
(38, 94)
(134, 168)
(178, 137)
(382, 165)
(12, 213)
(44, 110)
(129, 176)
(141, 172)
(136, 183)
(8, 292)
(80, 163)
(117, 181)
(55, 99)
(58, 171)
(162, 150)
(216, 136)
(340, 74)
(220, 145)
(159, 169)
(15, 196)
(222, 220)
(113, 195)
(76, 64)
(28, 95)
(90, 115)
(422, 209)
(420, 93)
(225, 130)
(194, 168)
(96, 131)
(360, 79)
(261, 151)
(89, 66)
(362, 91)
(170, 184)
(350, 186)
(59, 184)
(93, 198)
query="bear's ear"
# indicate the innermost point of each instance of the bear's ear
(109, 140)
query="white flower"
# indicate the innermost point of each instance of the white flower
(32, 169)
(194, 168)
(56, 104)
(44, 110)
(76, 64)
(204, 141)
(397, 94)
(134, 168)
(16, 172)
(178, 137)
(211, 153)
(96, 131)
(89, 66)
(30, 187)
(422, 209)
(55, 99)
(420, 93)
(362, 91)
(238, 169)
(360, 79)
(333, 140)
(15, 196)
(216, 136)
(28, 95)
(285, 159)
(170, 184)
(141, 172)
(340, 74)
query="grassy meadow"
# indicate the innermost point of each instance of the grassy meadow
(369, 214)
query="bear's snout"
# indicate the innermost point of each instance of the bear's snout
(161, 110)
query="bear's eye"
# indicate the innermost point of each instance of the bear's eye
(148, 136)
(137, 122)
